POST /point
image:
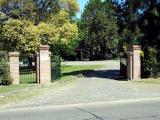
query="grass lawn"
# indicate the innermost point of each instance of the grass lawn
(14, 93)
(150, 81)
(28, 77)
(69, 72)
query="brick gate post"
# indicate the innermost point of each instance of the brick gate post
(44, 65)
(134, 62)
(129, 64)
(37, 68)
(14, 67)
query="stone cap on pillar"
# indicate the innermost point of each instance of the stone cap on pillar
(134, 47)
(44, 47)
(14, 54)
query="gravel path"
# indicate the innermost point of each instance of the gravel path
(96, 86)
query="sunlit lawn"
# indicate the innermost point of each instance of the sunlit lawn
(69, 72)
(150, 81)
(13, 93)
(28, 77)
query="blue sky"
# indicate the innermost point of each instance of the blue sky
(82, 5)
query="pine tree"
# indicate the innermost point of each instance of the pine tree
(100, 28)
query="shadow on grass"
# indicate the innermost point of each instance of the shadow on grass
(108, 74)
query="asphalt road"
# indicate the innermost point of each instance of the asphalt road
(119, 110)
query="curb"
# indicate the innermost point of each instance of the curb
(78, 104)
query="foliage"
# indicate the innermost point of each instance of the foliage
(152, 62)
(24, 25)
(99, 27)
(37, 10)
(71, 6)
(4, 69)
(138, 22)
(20, 35)
(24, 35)
(59, 32)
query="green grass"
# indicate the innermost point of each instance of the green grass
(70, 72)
(28, 77)
(14, 93)
(79, 68)
(12, 88)
(150, 81)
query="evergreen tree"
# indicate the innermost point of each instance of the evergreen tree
(99, 26)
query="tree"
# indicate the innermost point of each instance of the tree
(100, 27)
(20, 35)
(37, 10)
(139, 24)
(59, 32)
(30, 23)
(71, 6)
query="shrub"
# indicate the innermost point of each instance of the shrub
(4, 69)
(152, 65)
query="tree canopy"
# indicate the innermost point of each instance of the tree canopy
(24, 25)
(100, 27)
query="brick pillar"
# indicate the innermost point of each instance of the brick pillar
(129, 64)
(37, 68)
(44, 65)
(134, 62)
(14, 67)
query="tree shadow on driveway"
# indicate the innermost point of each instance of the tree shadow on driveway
(108, 74)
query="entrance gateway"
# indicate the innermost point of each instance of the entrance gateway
(37, 68)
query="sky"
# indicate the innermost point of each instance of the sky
(82, 5)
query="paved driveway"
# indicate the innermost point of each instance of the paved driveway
(99, 85)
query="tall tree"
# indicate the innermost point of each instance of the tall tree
(100, 27)
(139, 24)
(24, 24)
(37, 10)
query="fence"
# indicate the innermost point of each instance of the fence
(123, 65)
(27, 69)
(55, 67)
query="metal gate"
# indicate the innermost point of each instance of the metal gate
(123, 65)
(55, 67)
(27, 69)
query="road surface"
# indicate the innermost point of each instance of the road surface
(119, 110)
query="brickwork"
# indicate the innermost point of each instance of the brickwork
(44, 65)
(14, 67)
(129, 65)
(37, 68)
(134, 62)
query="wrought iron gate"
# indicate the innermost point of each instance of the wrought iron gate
(55, 67)
(123, 64)
(27, 69)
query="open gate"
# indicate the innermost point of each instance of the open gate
(55, 67)
(123, 65)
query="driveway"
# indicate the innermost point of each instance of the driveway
(96, 86)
